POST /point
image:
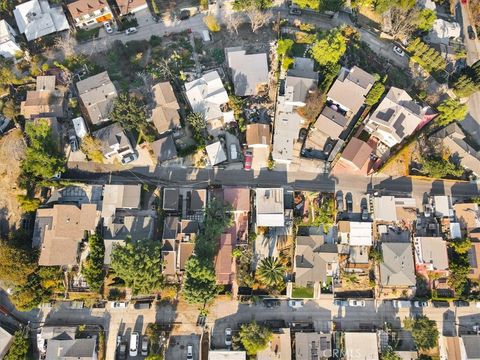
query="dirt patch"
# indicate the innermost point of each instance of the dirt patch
(398, 165)
(12, 149)
(475, 11)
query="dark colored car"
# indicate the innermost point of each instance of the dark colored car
(295, 11)
(440, 304)
(271, 303)
(471, 33)
(349, 201)
(461, 303)
(302, 135)
(184, 14)
(122, 351)
(339, 201)
(201, 320)
(139, 305)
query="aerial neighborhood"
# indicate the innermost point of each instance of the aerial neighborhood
(240, 179)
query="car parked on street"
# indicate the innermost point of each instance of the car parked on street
(189, 352)
(119, 305)
(420, 304)
(397, 50)
(295, 304)
(295, 11)
(108, 27)
(339, 201)
(271, 303)
(349, 202)
(356, 303)
(184, 14)
(228, 337)
(471, 33)
(131, 30)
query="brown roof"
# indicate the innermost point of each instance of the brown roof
(128, 6)
(237, 197)
(44, 103)
(357, 152)
(223, 261)
(83, 7)
(198, 199)
(59, 245)
(474, 261)
(169, 263)
(344, 226)
(258, 134)
(165, 115)
(468, 215)
(185, 250)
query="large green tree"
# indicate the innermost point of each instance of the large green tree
(437, 167)
(139, 264)
(20, 348)
(451, 110)
(329, 49)
(424, 331)
(461, 245)
(375, 93)
(254, 337)
(459, 267)
(16, 263)
(131, 113)
(199, 286)
(426, 19)
(284, 46)
(92, 268)
(310, 4)
(270, 271)
(242, 5)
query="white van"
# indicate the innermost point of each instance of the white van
(134, 340)
(206, 36)
(402, 304)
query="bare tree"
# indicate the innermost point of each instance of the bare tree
(404, 21)
(258, 18)
(234, 21)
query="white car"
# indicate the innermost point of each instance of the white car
(295, 304)
(108, 27)
(189, 352)
(356, 303)
(119, 305)
(228, 337)
(420, 304)
(130, 30)
(397, 50)
(134, 340)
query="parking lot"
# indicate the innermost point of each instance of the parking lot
(177, 348)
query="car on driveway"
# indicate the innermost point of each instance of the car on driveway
(440, 304)
(144, 345)
(108, 27)
(397, 50)
(134, 341)
(302, 135)
(349, 202)
(356, 303)
(129, 158)
(420, 304)
(184, 14)
(130, 30)
(339, 201)
(471, 33)
(73, 143)
(228, 337)
(295, 304)
(295, 11)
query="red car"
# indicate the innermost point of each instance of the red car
(464, 1)
(248, 160)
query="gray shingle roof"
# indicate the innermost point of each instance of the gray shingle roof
(397, 267)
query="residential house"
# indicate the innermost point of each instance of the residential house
(396, 117)
(207, 96)
(431, 256)
(361, 344)
(226, 355)
(35, 19)
(186, 202)
(8, 45)
(314, 260)
(216, 154)
(62, 344)
(249, 71)
(355, 233)
(59, 231)
(224, 265)
(80, 127)
(259, 139)
(468, 215)
(474, 261)
(171, 200)
(444, 32)
(349, 90)
(164, 149)
(131, 6)
(471, 346)
(89, 13)
(443, 206)
(97, 94)
(299, 82)
(113, 141)
(45, 101)
(461, 148)
(6, 340)
(269, 205)
(165, 115)
(309, 346)
(397, 271)
(393, 209)
(357, 155)
(279, 347)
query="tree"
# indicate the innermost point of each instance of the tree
(9, 108)
(404, 21)
(154, 357)
(20, 348)
(331, 5)
(451, 110)
(426, 19)
(92, 269)
(139, 265)
(311, 4)
(375, 93)
(313, 105)
(424, 331)
(461, 246)
(42, 158)
(130, 112)
(254, 337)
(287, 62)
(91, 147)
(198, 125)
(241, 5)
(270, 271)
(200, 285)
(389, 354)
(28, 296)
(16, 263)
(284, 46)
(258, 18)
(211, 23)
(330, 49)
(233, 22)
(459, 267)
(437, 167)
(28, 204)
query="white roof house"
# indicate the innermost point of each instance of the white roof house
(361, 346)
(385, 207)
(249, 71)
(206, 96)
(269, 203)
(80, 127)
(443, 31)
(6, 340)
(226, 355)
(443, 206)
(360, 234)
(8, 45)
(431, 252)
(35, 18)
(216, 153)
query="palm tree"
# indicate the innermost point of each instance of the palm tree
(270, 271)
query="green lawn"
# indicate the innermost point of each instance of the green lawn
(302, 292)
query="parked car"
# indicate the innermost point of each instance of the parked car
(108, 27)
(184, 14)
(364, 214)
(402, 303)
(420, 304)
(397, 50)
(339, 200)
(201, 320)
(271, 303)
(131, 30)
(189, 352)
(144, 345)
(464, 1)
(471, 33)
(302, 135)
(129, 158)
(340, 302)
(356, 303)
(233, 152)
(73, 143)
(122, 351)
(349, 202)
(139, 305)
(228, 337)
(134, 340)
(295, 304)
(4, 122)
(461, 303)
(119, 305)
(295, 11)
(248, 160)
(440, 304)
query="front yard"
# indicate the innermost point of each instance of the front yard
(302, 292)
